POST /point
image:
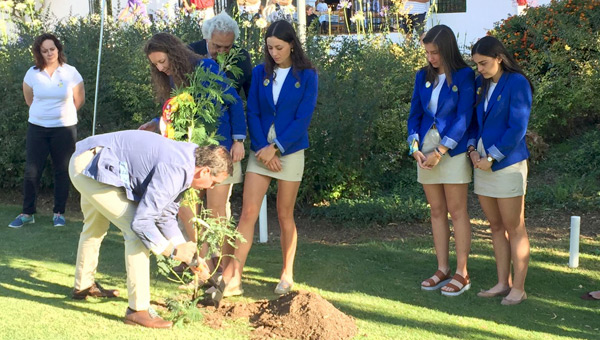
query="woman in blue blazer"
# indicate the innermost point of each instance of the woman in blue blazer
(499, 155)
(171, 62)
(440, 113)
(282, 98)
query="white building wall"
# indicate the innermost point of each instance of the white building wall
(62, 8)
(479, 18)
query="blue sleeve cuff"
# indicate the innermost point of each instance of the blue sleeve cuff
(279, 145)
(495, 153)
(238, 137)
(448, 142)
(156, 120)
(412, 137)
(471, 142)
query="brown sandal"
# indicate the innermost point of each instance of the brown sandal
(442, 280)
(456, 291)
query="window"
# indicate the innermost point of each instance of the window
(451, 6)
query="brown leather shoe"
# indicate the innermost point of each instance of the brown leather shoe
(144, 319)
(95, 290)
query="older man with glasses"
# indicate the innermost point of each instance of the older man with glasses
(220, 34)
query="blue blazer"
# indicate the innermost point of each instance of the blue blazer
(454, 110)
(291, 115)
(504, 124)
(232, 123)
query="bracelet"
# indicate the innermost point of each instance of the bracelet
(413, 147)
(469, 152)
(439, 152)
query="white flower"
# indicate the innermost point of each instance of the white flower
(30, 2)
(261, 23)
(246, 24)
(358, 16)
(20, 7)
(36, 22)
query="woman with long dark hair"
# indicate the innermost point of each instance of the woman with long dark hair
(440, 113)
(282, 98)
(171, 62)
(499, 155)
(54, 91)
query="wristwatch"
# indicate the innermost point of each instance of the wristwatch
(239, 140)
(275, 146)
(173, 253)
(490, 159)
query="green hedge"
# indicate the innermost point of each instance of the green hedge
(357, 167)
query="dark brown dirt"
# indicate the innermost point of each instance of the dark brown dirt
(296, 315)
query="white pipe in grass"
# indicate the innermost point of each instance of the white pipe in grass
(262, 222)
(574, 246)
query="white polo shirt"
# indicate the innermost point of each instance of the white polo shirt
(53, 104)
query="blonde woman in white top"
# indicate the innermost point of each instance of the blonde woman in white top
(54, 92)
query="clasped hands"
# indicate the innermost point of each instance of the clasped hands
(479, 162)
(427, 162)
(268, 157)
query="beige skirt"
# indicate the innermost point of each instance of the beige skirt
(292, 167)
(236, 177)
(449, 170)
(504, 183)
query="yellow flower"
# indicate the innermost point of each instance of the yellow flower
(185, 97)
(261, 23)
(170, 131)
(567, 47)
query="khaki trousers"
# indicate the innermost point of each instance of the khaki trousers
(102, 204)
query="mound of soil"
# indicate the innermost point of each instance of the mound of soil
(296, 315)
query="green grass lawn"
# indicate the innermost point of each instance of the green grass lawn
(376, 282)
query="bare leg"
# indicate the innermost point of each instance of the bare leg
(439, 225)
(255, 187)
(217, 199)
(490, 208)
(513, 215)
(185, 215)
(286, 200)
(456, 200)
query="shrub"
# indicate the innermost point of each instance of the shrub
(559, 47)
(569, 178)
(358, 129)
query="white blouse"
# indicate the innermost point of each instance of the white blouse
(489, 95)
(280, 75)
(435, 95)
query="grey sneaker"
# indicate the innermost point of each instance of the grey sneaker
(59, 220)
(21, 220)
